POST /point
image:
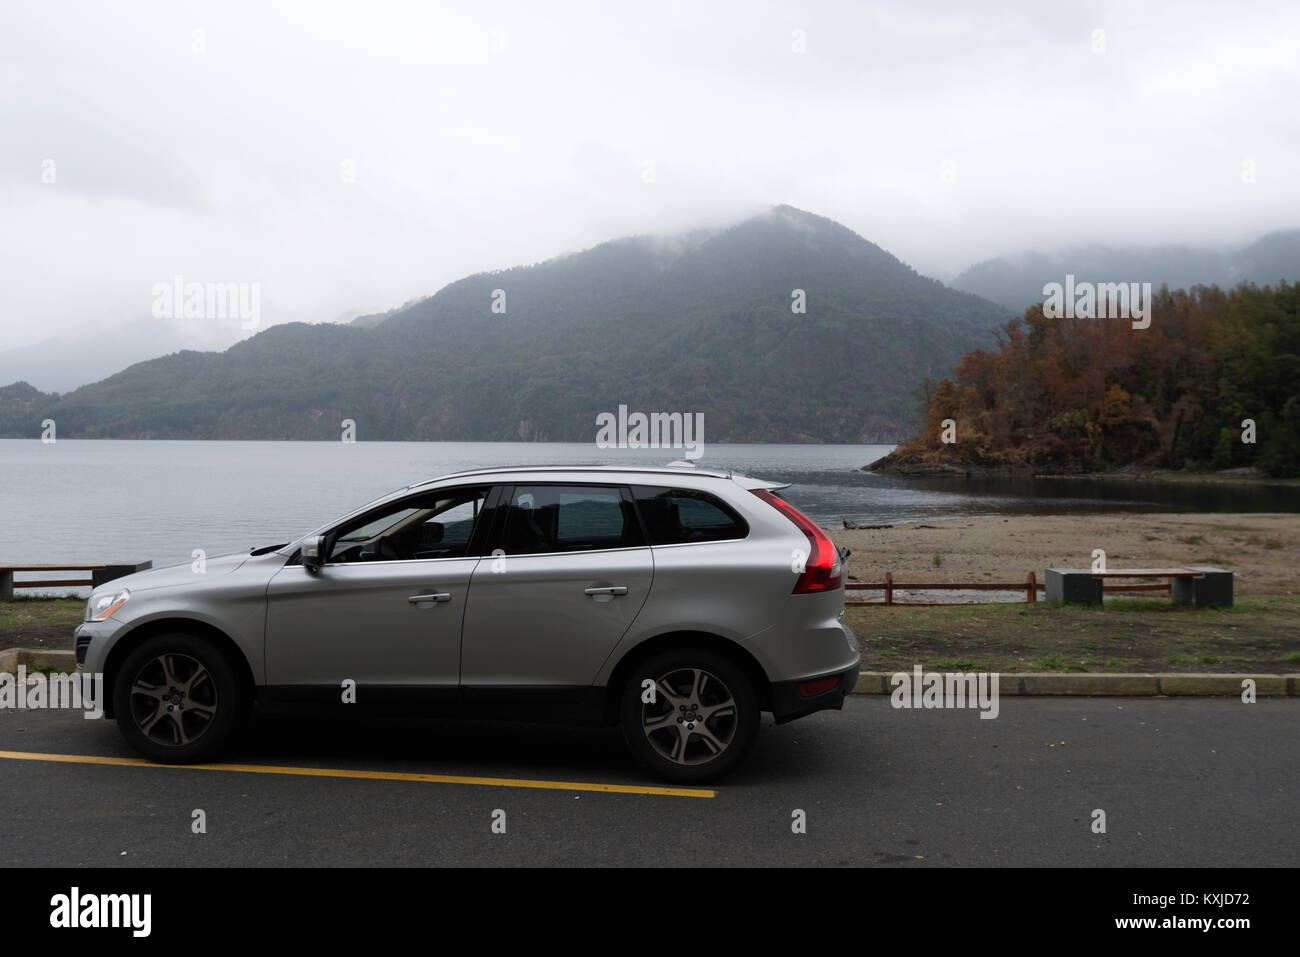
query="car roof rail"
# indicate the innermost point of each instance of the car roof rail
(624, 469)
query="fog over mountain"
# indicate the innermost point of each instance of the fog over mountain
(65, 362)
(1017, 281)
(1014, 281)
(348, 161)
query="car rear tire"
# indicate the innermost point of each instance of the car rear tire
(703, 719)
(177, 699)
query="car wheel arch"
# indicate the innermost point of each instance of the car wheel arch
(123, 647)
(685, 639)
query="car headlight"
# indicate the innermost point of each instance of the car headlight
(101, 606)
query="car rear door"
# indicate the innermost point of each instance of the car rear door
(568, 572)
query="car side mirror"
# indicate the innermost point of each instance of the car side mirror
(313, 553)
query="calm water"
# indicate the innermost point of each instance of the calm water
(131, 501)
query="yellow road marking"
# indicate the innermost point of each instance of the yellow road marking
(364, 775)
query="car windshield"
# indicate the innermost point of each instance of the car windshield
(379, 525)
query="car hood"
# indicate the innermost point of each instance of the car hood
(181, 574)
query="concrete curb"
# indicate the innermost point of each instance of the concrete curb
(37, 659)
(1132, 685)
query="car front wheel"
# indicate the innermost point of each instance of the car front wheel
(177, 699)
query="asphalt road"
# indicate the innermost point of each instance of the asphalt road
(1188, 782)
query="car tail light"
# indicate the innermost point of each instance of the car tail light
(821, 570)
(811, 689)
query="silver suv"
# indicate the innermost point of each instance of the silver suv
(677, 603)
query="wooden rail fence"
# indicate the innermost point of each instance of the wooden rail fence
(1031, 586)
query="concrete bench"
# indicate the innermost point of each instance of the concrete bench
(1197, 586)
(1213, 587)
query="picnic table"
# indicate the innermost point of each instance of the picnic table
(1196, 585)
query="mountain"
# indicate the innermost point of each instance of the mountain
(1017, 281)
(62, 363)
(700, 322)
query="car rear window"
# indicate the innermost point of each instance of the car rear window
(568, 518)
(673, 516)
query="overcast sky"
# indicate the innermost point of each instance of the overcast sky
(352, 156)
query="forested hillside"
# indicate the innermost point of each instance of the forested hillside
(1071, 395)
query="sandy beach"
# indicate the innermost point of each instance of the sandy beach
(1261, 548)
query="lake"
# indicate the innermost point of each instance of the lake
(75, 500)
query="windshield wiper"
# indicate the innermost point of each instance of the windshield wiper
(267, 548)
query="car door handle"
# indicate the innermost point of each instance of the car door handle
(606, 590)
(440, 596)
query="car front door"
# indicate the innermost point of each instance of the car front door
(385, 609)
(568, 573)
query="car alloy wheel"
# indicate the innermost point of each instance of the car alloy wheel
(174, 699)
(693, 717)
(700, 720)
(178, 699)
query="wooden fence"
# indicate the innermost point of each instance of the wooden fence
(1031, 586)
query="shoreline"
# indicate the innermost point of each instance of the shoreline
(1249, 477)
(1262, 548)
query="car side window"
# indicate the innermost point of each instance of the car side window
(568, 518)
(436, 525)
(674, 516)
